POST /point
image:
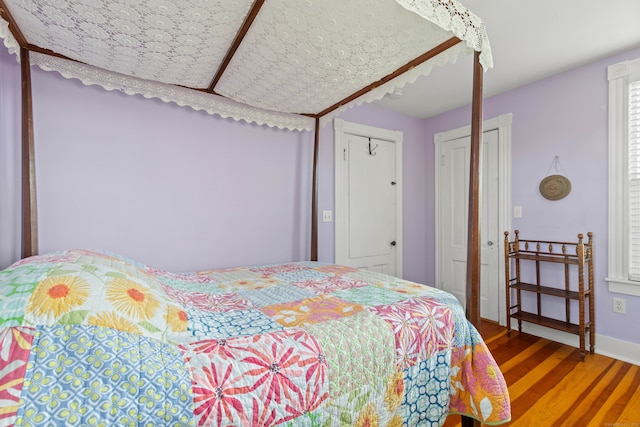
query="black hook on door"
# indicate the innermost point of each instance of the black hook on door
(372, 151)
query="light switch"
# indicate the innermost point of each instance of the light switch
(327, 216)
(517, 211)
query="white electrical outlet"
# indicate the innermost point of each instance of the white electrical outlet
(327, 216)
(619, 305)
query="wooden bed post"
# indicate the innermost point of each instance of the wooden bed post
(29, 210)
(473, 229)
(473, 236)
(314, 193)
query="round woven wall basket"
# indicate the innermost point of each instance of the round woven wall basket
(555, 187)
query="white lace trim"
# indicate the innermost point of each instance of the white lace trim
(212, 104)
(9, 41)
(449, 56)
(453, 16)
(318, 48)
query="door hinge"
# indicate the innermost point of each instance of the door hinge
(443, 161)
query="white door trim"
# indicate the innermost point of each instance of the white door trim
(341, 129)
(502, 124)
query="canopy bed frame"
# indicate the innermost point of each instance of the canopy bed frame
(100, 47)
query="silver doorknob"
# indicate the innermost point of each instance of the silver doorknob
(490, 243)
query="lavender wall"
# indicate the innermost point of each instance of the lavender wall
(566, 116)
(10, 134)
(166, 185)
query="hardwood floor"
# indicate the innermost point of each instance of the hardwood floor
(550, 387)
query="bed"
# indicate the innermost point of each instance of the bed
(288, 64)
(93, 338)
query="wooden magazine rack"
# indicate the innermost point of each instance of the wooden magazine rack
(541, 252)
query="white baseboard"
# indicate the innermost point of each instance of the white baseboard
(618, 349)
(605, 345)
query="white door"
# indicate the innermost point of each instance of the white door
(372, 203)
(453, 204)
(368, 198)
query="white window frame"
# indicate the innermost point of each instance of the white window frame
(620, 75)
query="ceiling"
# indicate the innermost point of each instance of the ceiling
(530, 40)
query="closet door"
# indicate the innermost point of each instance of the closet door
(453, 204)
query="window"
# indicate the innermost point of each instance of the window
(634, 179)
(624, 177)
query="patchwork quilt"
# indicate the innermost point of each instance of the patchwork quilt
(90, 338)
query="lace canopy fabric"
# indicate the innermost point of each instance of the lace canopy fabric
(298, 56)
